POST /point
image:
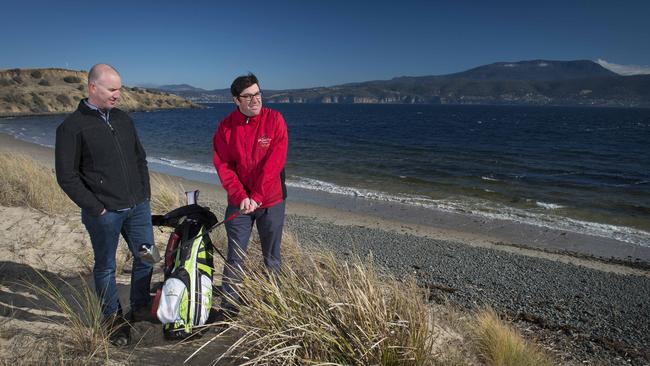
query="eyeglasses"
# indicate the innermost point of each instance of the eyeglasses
(249, 97)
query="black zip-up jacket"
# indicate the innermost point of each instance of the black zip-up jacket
(101, 165)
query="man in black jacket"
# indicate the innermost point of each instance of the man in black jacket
(102, 167)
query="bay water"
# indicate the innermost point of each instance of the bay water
(578, 169)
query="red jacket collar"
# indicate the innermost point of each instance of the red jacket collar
(241, 118)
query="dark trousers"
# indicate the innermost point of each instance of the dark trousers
(135, 226)
(270, 222)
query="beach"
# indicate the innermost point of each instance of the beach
(584, 297)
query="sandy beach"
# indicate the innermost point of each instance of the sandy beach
(584, 297)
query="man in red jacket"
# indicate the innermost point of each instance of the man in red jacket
(250, 149)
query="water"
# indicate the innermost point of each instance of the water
(578, 169)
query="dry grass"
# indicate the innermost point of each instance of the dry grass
(323, 311)
(24, 182)
(81, 310)
(499, 344)
(86, 259)
(332, 312)
(165, 194)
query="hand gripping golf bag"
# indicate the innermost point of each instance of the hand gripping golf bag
(185, 298)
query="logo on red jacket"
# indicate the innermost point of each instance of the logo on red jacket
(264, 142)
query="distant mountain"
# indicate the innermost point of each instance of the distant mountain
(198, 95)
(536, 82)
(537, 70)
(179, 88)
(51, 91)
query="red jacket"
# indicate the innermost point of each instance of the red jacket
(249, 154)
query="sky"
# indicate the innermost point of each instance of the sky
(301, 44)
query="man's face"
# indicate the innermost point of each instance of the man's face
(105, 91)
(249, 101)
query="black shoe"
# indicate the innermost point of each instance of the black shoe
(142, 314)
(119, 330)
(227, 315)
(121, 336)
(220, 321)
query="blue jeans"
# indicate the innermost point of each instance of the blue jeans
(270, 222)
(135, 226)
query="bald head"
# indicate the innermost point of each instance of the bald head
(104, 84)
(98, 70)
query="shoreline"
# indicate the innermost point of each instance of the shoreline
(64, 114)
(504, 235)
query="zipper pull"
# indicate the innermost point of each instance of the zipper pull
(247, 119)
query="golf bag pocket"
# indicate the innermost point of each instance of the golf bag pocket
(206, 298)
(172, 299)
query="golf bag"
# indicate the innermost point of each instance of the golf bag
(185, 298)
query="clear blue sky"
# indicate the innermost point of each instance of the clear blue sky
(294, 44)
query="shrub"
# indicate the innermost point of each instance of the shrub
(39, 104)
(72, 79)
(5, 82)
(499, 344)
(36, 74)
(13, 99)
(44, 82)
(81, 87)
(17, 79)
(63, 99)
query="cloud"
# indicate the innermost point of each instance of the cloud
(624, 69)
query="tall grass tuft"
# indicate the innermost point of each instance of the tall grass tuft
(81, 312)
(331, 312)
(165, 194)
(500, 345)
(24, 182)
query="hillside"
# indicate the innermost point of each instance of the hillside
(536, 70)
(51, 91)
(535, 82)
(199, 95)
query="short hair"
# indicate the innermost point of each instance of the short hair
(242, 82)
(97, 70)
